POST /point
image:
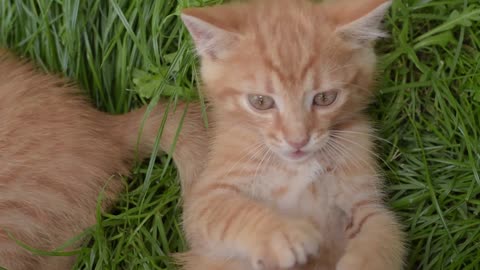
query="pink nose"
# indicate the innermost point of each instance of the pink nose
(298, 144)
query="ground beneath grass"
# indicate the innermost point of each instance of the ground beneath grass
(427, 111)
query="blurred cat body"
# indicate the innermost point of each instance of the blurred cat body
(291, 180)
(57, 154)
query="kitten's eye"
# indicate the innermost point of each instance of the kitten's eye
(325, 98)
(260, 102)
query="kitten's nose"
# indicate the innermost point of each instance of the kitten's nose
(299, 143)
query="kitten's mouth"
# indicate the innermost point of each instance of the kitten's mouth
(297, 155)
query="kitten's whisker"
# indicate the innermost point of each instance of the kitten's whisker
(340, 137)
(249, 152)
(330, 152)
(344, 153)
(254, 180)
(365, 133)
(260, 164)
(355, 161)
(269, 163)
(327, 149)
(353, 154)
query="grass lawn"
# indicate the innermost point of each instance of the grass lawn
(123, 52)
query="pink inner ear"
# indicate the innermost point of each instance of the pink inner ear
(210, 29)
(198, 32)
(343, 12)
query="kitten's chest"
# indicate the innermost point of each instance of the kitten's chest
(304, 194)
(301, 192)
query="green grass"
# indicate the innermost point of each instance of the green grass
(427, 108)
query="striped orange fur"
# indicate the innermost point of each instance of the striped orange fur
(256, 205)
(296, 185)
(57, 153)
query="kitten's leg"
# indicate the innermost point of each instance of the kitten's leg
(375, 240)
(191, 142)
(220, 220)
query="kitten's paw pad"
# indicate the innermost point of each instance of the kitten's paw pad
(286, 246)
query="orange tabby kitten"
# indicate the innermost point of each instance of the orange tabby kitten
(291, 180)
(57, 153)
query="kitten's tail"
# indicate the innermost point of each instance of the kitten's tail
(189, 152)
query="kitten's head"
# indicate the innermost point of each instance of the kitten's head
(290, 71)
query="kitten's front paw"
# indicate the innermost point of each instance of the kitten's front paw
(286, 245)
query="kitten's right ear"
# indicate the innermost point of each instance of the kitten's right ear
(358, 21)
(213, 29)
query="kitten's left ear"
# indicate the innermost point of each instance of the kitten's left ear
(215, 30)
(359, 21)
